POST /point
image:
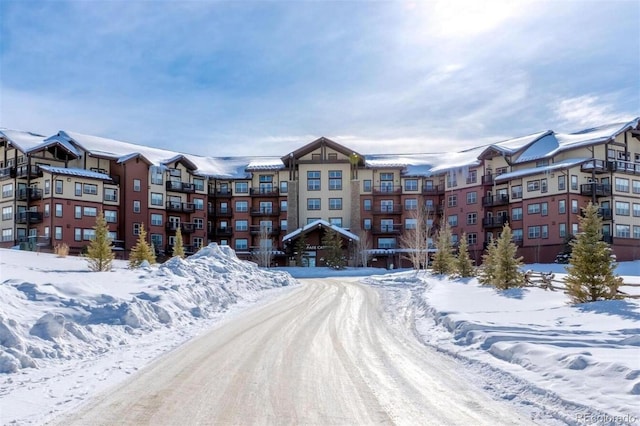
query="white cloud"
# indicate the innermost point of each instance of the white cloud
(587, 111)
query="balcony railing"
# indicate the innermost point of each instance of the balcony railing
(488, 179)
(185, 227)
(597, 189)
(433, 189)
(28, 171)
(27, 194)
(220, 193)
(265, 212)
(495, 200)
(7, 172)
(385, 210)
(605, 214)
(224, 232)
(495, 222)
(177, 186)
(177, 206)
(387, 229)
(597, 166)
(624, 167)
(29, 217)
(387, 189)
(265, 192)
(223, 212)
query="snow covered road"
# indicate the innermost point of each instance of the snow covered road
(322, 354)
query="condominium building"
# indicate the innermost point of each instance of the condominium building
(54, 186)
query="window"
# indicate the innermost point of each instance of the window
(386, 243)
(241, 244)
(562, 230)
(574, 228)
(198, 184)
(454, 239)
(198, 222)
(534, 232)
(156, 219)
(7, 190)
(197, 243)
(156, 199)
(283, 205)
(411, 185)
(59, 185)
(242, 187)
(452, 200)
(78, 191)
(47, 210)
(112, 216)
(77, 234)
(622, 208)
(574, 182)
(335, 203)
(136, 229)
(452, 180)
(366, 224)
(544, 231)
(574, 206)
(411, 204)
(58, 210)
(156, 240)
(337, 221)
(7, 213)
(198, 203)
(562, 206)
(410, 223)
(157, 176)
(533, 208)
(453, 220)
(335, 180)
(472, 218)
(57, 232)
(242, 225)
(136, 206)
(544, 209)
(137, 185)
(367, 205)
(516, 213)
(472, 239)
(313, 204)
(90, 211)
(242, 206)
(313, 181)
(366, 185)
(110, 194)
(283, 224)
(562, 182)
(542, 163)
(623, 231)
(284, 187)
(516, 191)
(47, 186)
(533, 185)
(636, 210)
(622, 185)
(472, 197)
(472, 177)
(386, 182)
(636, 231)
(544, 187)
(90, 189)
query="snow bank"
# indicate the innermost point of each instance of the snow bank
(55, 308)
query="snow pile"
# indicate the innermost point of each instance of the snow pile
(588, 355)
(56, 309)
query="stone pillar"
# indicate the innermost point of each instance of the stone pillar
(355, 221)
(293, 217)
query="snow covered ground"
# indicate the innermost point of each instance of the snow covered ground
(67, 333)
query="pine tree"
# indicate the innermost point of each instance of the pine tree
(332, 241)
(444, 260)
(178, 244)
(299, 249)
(464, 264)
(99, 254)
(501, 266)
(590, 270)
(141, 251)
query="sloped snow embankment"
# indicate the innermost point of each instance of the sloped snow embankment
(68, 312)
(577, 359)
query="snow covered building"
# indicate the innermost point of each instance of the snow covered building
(53, 187)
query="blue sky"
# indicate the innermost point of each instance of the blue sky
(263, 78)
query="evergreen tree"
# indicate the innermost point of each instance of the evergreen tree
(501, 266)
(464, 264)
(141, 251)
(178, 244)
(590, 270)
(99, 254)
(443, 259)
(332, 241)
(299, 249)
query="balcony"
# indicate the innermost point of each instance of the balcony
(6, 172)
(257, 230)
(265, 192)
(29, 217)
(185, 228)
(607, 239)
(433, 190)
(605, 214)
(495, 222)
(595, 189)
(220, 192)
(265, 212)
(28, 194)
(624, 167)
(387, 189)
(26, 171)
(495, 200)
(224, 232)
(179, 207)
(223, 212)
(488, 179)
(177, 186)
(387, 229)
(388, 210)
(597, 166)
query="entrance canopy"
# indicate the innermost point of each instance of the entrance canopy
(318, 224)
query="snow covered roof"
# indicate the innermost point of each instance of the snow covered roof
(455, 160)
(511, 146)
(320, 223)
(24, 141)
(75, 172)
(563, 164)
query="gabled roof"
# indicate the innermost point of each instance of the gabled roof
(60, 142)
(24, 141)
(322, 141)
(67, 171)
(561, 165)
(320, 224)
(181, 158)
